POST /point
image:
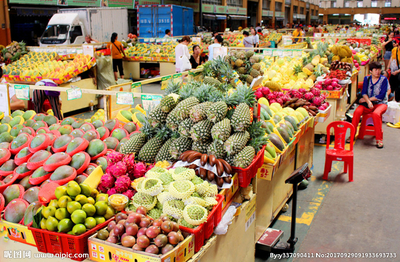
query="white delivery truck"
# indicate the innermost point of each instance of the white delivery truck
(70, 26)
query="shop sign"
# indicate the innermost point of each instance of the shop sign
(220, 9)
(110, 3)
(242, 11)
(194, 6)
(231, 10)
(34, 2)
(165, 81)
(208, 8)
(82, 2)
(149, 2)
(118, 3)
(267, 13)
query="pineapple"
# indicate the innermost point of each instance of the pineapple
(298, 69)
(201, 131)
(187, 90)
(221, 130)
(180, 145)
(164, 154)
(211, 81)
(239, 62)
(134, 144)
(258, 142)
(229, 159)
(249, 53)
(256, 66)
(244, 158)
(173, 87)
(243, 94)
(149, 151)
(185, 126)
(241, 118)
(198, 112)
(254, 73)
(183, 108)
(172, 121)
(168, 103)
(157, 116)
(204, 92)
(201, 146)
(236, 142)
(217, 111)
(217, 149)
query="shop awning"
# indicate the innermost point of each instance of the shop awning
(238, 17)
(209, 17)
(220, 17)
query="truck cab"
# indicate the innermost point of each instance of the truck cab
(64, 29)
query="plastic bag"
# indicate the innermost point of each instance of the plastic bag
(105, 74)
(226, 220)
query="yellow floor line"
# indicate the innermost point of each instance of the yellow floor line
(308, 215)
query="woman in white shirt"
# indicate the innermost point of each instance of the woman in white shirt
(182, 50)
(256, 38)
(217, 43)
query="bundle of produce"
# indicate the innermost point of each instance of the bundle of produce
(137, 231)
(12, 52)
(342, 53)
(233, 40)
(177, 193)
(78, 208)
(329, 84)
(200, 117)
(346, 67)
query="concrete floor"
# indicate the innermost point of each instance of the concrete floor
(349, 217)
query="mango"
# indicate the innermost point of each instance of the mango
(38, 140)
(86, 127)
(62, 172)
(98, 123)
(38, 125)
(29, 122)
(68, 121)
(101, 130)
(14, 213)
(6, 119)
(65, 129)
(77, 133)
(17, 113)
(31, 195)
(39, 173)
(80, 179)
(39, 117)
(77, 124)
(90, 135)
(96, 146)
(6, 137)
(111, 142)
(19, 141)
(4, 128)
(110, 124)
(78, 160)
(12, 192)
(26, 130)
(32, 209)
(21, 169)
(62, 141)
(54, 127)
(25, 183)
(74, 144)
(102, 161)
(15, 130)
(50, 120)
(16, 120)
(130, 127)
(8, 166)
(23, 152)
(28, 114)
(39, 156)
(57, 157)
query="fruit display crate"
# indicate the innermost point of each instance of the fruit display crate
(204, 231)
(228, 193)
(102, 251)
(246, 174)
(17, 232)
(323, 115)
(56, 243)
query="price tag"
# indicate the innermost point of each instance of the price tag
(22, 92)
(74, 93)
(277, 53)
(220, 51)
(197, 40)
(287, 53)
(165, 81)
(317, 35)
(88, 50)
(150, 101)
(177, 77)
(125, 98)
(297, 53)
(267, 52)
(136, 85)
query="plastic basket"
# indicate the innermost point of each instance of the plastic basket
(246, 174)
(55, 243)
(205, 230)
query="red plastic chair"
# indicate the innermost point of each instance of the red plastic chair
(339, 153)
(366, 130)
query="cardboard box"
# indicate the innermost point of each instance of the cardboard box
(102, 251)
(335, 93)
(267, 170)
(228, 193)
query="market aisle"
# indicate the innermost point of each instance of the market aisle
(359, 216)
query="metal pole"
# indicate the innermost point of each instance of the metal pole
(201, 12)
(294, 209)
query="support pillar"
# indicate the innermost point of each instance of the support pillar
(272, 8)
(224, 22)
(325, 19)
(259, 11)
(245, 21)
(5, 33)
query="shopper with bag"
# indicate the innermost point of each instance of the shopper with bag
(182, 55)
(117, 53)
(374, 100)
(217, 43)
(395, 70)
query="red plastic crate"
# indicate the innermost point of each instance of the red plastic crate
(246, 174)
(205, 230)
(56, 243)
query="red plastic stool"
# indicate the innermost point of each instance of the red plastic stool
(365, 129)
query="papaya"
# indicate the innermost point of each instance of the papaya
(275, 139)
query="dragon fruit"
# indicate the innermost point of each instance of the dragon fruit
(302, 90)
(117, 170)
(315, 91)
(271, 96)
(129, 161)
(280, 101)
(265, 90)
(114, 157)
(130, 193)
(102, 188)
(112, 191)
(297, 94)
(107, 181)
(140, 170)
(317, 101)
(272, 101)
(279, 94)
(122, 184)
(308, 96)
(258, 94)
(286, 98)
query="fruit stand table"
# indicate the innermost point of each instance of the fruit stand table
(132, 69)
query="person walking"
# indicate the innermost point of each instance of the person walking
(182, 55)
(388, 45)
(248, 41)
(117, 53)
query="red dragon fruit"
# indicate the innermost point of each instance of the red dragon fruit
(302, 90)
(279, 100)
(272, 101)
(107, 181)
(286, 98)
(317, 101)
(114, 157)
(258, 94)
(308, 96)
(129, 161)
(265, 90)
(297, 94)
(122, 184)
(315, 91)
(112, 191)
(140, 170)
(102, 188)
(130, 193)
(271, 96)
(117, 170)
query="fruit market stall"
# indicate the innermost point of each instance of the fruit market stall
(210, 146)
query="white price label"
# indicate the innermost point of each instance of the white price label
(74, 93)
(125, 98)
(267, 52)
(150, 101)
(22, 92)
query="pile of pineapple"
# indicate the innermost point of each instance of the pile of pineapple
(246, 64)
(201, 117)
(12, 52)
